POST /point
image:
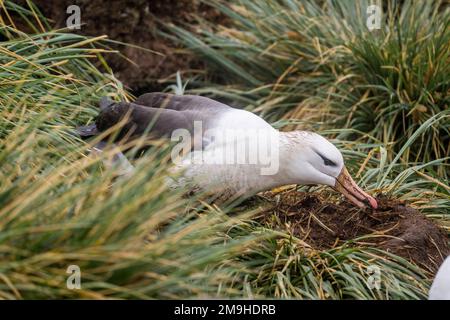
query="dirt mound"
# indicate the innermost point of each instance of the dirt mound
(393, 227)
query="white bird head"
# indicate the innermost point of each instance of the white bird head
(312, 159)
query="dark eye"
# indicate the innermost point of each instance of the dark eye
(327, 161)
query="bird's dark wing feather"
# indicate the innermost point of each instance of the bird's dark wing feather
(139, 119)
(192, 108)
(181, 103)
(159, 114)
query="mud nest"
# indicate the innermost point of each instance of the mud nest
(393, 227)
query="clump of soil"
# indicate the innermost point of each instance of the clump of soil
(394, 227)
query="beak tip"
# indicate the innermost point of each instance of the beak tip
(373, 203)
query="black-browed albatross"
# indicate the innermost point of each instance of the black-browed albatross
(301, 157)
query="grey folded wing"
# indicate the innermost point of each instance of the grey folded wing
(160, 114)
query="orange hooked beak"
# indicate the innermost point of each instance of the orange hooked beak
(348, 187)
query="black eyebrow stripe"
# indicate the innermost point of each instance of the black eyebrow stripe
(325, 159)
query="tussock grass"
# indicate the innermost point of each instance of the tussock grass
(339, 273)
(134, 238)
